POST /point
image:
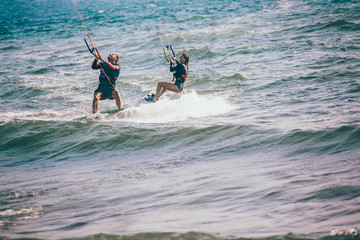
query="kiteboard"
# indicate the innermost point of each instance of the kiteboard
(147, 99)
(113, 111)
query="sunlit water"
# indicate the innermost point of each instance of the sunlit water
(263, 141)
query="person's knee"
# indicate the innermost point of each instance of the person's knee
(116, 93)
(97, 96)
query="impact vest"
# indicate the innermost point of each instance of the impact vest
(112, 75)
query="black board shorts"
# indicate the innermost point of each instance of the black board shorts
(106, 92)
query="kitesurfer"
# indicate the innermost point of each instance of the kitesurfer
(109, 72)
(180, 75)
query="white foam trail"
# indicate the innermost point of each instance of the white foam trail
(180, 107)
(171, 108)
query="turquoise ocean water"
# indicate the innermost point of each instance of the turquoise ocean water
(263, 143)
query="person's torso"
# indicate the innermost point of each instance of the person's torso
(111, 74)
(181, 72)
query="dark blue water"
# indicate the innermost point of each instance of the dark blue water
(262, 143)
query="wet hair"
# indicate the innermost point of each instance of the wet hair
(186, 56)
(114, 55)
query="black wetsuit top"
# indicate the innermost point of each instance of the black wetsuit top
(180, 75)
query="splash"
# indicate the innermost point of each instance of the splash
(177, 108)
(171, 108)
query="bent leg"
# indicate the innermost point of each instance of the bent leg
(158, 89)
(162, 87)
(116, 95)
(95, 106)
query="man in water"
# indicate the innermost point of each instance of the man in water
(109, 72)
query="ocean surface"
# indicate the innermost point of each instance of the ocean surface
(263, 143)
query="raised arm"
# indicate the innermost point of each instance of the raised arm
(95, 64)
(110, 65)
(173, 67)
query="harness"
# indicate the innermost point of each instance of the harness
(176, 75)
(108, 75)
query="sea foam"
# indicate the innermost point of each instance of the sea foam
(178, 107)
